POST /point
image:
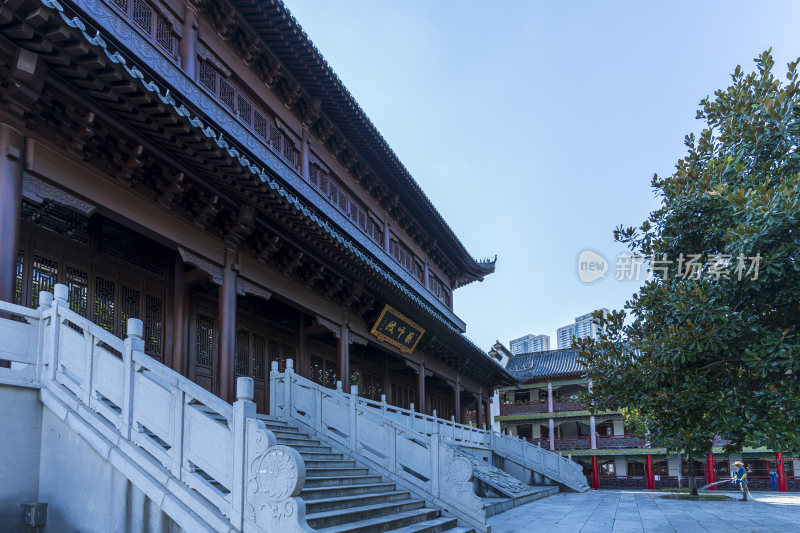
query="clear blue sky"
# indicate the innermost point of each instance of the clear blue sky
(536, 127)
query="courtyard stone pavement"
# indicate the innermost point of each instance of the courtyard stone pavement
(628, 511)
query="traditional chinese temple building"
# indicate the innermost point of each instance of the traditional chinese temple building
(202, 168)
(546, 409)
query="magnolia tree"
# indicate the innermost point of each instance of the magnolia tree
(710, 345)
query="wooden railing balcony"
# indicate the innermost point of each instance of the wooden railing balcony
(524, 408)
(604, 442)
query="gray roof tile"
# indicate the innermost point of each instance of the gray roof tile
(552, 363)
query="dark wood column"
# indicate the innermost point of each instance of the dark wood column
(488, 407)
(180, 321)
(227, 328)
(11, 154)
(421, 407)
(188, 43)
(303, 364)
(479, 409)
(387, 378)
(457, 405)
(343, 360)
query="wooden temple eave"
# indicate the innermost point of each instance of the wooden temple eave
(141, 139)
(294, 68)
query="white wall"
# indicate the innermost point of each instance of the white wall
(619, 427)
(20, 435)
(85, 493)
(621, 466)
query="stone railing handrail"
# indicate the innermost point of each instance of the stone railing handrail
(178, 443)
(20, 333)
(423, 463)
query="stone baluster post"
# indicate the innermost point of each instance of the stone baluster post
(353, 417)
(60, 293)
(133, 343)
(45, 303)
(287, 384)
(243, 408)
(435, 442)
(273, 388)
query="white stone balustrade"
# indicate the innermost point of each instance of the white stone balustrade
(423, 463)
(214, 466)
(315, 406)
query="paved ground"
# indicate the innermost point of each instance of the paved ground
(621, 511)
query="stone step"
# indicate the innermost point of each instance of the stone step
(273, 420)
(310, 448)
(330, 481)
(328, 472)
(381, 523)
(313, 493)
(320, 456)
(295, 439)
(442, 524)
(354, 501)
(275, 428)
(329, 463)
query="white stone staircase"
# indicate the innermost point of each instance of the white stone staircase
(205, 464)
(341, 495)
(324, 460)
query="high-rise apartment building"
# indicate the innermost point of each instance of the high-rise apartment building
(530, 343)
(584, 326)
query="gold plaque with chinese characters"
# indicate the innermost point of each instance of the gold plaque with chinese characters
(398, 330)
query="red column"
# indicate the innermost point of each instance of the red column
(595, 474)
(710, 476)
(651, 482)
(781, 472)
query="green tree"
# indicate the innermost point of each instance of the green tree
(708, 351)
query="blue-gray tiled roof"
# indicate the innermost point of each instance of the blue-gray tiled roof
(552, 363)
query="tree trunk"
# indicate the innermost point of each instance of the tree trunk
(692, 482)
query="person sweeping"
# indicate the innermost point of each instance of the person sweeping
(740, 477)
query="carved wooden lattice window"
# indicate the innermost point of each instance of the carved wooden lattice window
(77, 282)
(133, 248)
(18, 277)
(259, 355)
(153, 325)
(44, 277)
(275, 138)
(104, 303)
(289, 152)
(204, 349)
(402, 396)
(226, 93)
(274, 352)
(244, 109)
(208, 76)
(241, 353)
(164, 35)
(150, 21)
(143, 15)
(261, 125)
(130, 301)
(323, 371)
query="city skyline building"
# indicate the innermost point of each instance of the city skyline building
(530, 343)
(583, 327)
